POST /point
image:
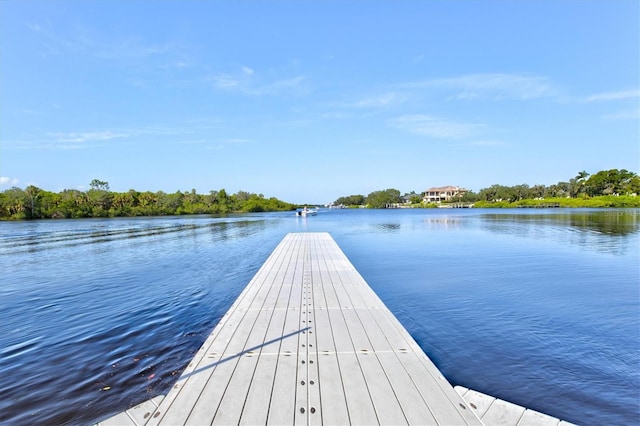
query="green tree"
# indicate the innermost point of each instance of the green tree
(99, 185)
(560, 189)
(469, 197)
(614, 181)
(382, 199)
(33, 193)
(494, 193)
(351, 200)
(170, 203)
(14, 203)
(74, 204)
(520, 192)
(538, 191)
(99, 198)
(415, 199)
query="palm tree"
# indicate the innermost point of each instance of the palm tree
(580, 180)
(582, 175)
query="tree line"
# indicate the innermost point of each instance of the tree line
(375, 200)
(612, 182)
(99, 201)
(607, 182)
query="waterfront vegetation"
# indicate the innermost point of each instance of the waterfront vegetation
(607, 188)
(621, 201)
(99, 201)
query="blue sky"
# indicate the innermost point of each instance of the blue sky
(309, 101)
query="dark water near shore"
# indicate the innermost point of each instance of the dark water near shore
(538, 307)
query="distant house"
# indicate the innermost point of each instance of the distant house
(406, 199)
(444, 193)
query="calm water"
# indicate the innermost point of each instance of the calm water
(538, 307)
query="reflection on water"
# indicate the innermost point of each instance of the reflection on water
(539, 308)
(445, 222)
(97, 234)
(386, 227)
(593, 229)
(610, 222)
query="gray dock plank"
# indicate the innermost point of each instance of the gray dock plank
(383, 395)
(534, 418)
(357, 393)
(135, 416)
(479, 402)
(308, 342)
(283, 397)
(332, 392)
(416, 408)
(503, 413)
(493, 411)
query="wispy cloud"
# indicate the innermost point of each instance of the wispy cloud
(5, 180)
(379, 101)
(614, 96)
(29, 111)
(63, 140)
(298, 85)
(83, 137)
(194, 131)
(627, 99)
(84, 43)
(426, 125)
(497, 86)
(89, 139)
(247, 82)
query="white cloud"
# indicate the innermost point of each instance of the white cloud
(426, 125)
(495, 86)
(295, 85)
(5, 180)
(614, 96)
(82, 42)
(383, 100)
(87, 136)
(190, 131)
(225, 82)
(247, 82)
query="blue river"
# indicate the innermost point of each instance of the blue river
(540, 307)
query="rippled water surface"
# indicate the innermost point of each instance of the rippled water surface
(538, 307)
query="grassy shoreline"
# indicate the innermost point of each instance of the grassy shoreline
(604, 201)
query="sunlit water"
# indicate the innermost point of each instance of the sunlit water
(538, 307)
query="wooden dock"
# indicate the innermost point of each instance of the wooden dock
(307, 342)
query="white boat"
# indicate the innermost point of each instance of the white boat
(306, 212)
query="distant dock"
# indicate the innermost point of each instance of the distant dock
(308, 342)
